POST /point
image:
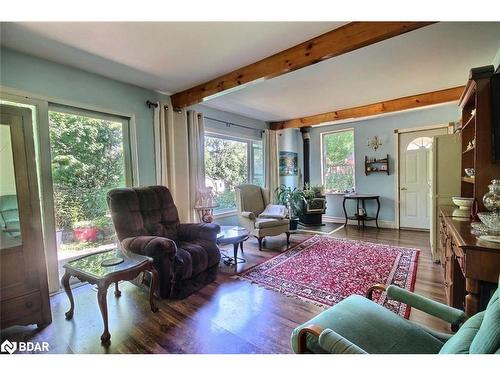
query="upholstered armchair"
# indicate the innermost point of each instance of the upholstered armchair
(186, 256)
(251, 200)
(357, 325)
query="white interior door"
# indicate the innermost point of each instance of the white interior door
(415, 178)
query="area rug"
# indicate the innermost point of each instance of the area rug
(325, 270)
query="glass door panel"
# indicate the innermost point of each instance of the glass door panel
(89, 157)
(10, 229)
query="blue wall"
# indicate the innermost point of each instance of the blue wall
(49, 79)
(376, 183)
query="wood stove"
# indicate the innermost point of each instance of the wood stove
(313, 208)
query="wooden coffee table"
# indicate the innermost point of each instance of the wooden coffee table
(90, 269)
(230, 235)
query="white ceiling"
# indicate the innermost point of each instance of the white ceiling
(163, 56)
(432, 58)
(172, 56)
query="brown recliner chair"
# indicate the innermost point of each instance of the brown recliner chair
(186, 256)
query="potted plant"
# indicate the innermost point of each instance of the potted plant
(85, 231)
(290, 198)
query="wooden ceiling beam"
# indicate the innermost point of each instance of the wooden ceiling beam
(339, 41)
(388, 106)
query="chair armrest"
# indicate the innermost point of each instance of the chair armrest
(334, 343)
(152, 246)
(437, 309)
(302, 337)
(249, 215)
(193, 231)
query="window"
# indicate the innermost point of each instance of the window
(420, 143)
(338, 161)
(230, 162)
(90, 155)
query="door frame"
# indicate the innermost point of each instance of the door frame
(42, 102)
(397, 133)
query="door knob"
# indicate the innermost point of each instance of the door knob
(403, 188)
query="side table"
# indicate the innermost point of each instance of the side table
(230, 235)
(361, 198)
(90, 268)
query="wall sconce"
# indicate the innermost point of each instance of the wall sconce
(374, 142)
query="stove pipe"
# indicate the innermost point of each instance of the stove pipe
(306, 137)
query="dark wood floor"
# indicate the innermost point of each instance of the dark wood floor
(228, 316)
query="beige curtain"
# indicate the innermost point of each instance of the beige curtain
(196, 149)
(270, 144)
(161, 138)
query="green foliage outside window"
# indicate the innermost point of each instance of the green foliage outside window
(87, 161)
(338, 161)
(227, 166)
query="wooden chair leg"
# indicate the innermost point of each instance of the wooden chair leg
(288, 238)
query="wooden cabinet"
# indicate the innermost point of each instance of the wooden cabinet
(471, 266)
(477, 133)
(24, 297)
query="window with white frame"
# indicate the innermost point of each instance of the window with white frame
(230, 162)
(338, 161)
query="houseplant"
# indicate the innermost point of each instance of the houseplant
(291, 198)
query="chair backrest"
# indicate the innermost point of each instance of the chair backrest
(251, 198)
(480, 334)
(143, 211)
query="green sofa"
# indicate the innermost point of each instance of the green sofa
(358, 325)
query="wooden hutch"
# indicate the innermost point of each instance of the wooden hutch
(471, 265)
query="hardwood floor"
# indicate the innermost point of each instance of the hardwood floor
(228, 316)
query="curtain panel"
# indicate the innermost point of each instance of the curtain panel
(196, 149)
(161, 147)
(271, 157)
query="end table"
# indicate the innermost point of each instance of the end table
(90, 268)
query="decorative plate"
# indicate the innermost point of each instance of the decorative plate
(111, 262)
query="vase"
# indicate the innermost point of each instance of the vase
(491, 199)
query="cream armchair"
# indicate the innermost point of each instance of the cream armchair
(251, 200)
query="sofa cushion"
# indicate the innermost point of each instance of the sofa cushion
(487, 340)
(261, 223)
(195, 257)
(461, 341)
(371, 327)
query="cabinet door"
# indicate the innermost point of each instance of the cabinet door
(22, 258)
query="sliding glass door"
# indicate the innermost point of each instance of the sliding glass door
(90, 155)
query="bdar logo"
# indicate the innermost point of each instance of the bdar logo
(8, 347)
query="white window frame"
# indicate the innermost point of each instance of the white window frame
(323, 162)
(250, 163)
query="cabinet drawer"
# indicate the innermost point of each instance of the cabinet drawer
(20, 309)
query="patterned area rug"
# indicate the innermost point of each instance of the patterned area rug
(325, 270)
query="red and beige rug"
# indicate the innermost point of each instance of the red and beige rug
(325, 270)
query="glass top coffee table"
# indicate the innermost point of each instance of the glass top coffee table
(103, 269)
(236, 236)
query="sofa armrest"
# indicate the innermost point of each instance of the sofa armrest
(248, 215)
(437, 309)
(334, 343)
(152, 246)
(193, 231)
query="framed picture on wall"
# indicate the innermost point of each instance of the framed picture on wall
(289, 164)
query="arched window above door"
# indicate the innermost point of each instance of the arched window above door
(419, 143)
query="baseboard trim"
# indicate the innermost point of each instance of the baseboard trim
(381, 223)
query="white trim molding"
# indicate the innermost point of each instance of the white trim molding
(381, 223)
